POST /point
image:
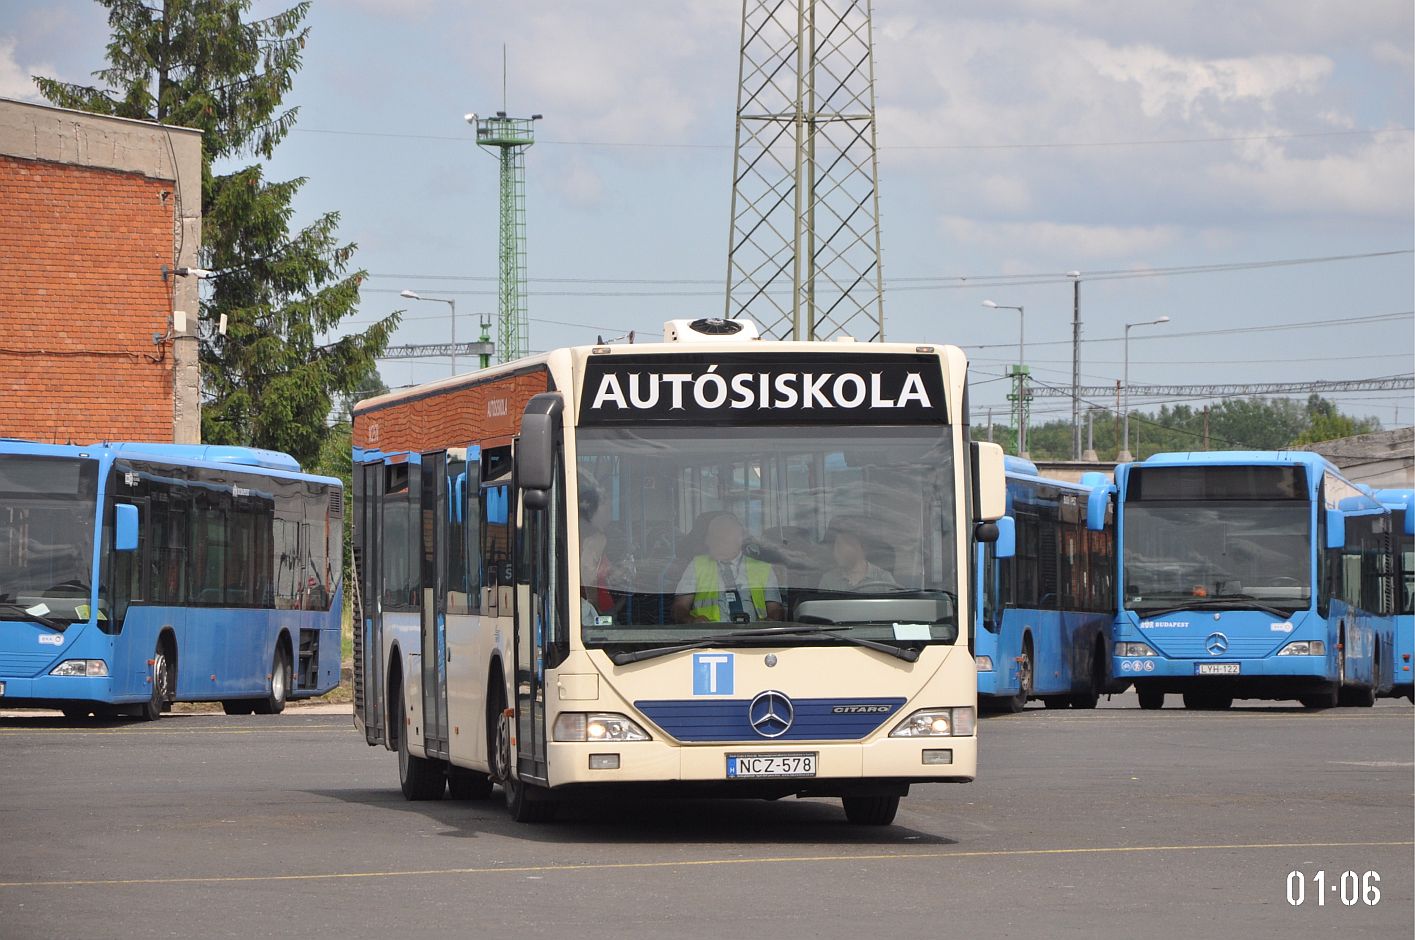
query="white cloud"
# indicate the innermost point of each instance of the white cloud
(16, 81)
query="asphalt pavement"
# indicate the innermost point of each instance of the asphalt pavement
(1112, 823)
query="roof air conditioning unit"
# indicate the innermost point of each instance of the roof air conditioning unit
(709, 330)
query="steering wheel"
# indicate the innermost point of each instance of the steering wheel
(1283, 582)
(866, 586)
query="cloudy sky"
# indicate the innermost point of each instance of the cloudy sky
(1016, 137)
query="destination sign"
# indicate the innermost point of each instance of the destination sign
(821, 388)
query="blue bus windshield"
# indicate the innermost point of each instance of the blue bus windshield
(47, 507)
(1258, 551)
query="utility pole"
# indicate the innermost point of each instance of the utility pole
(803, 250)
(1206, 427)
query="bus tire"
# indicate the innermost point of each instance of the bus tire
(162, 684)
(1318, 701)
(1012, 704)
(279, 689)
(870, 810)
(1092, 695)
(420, 779)
(1151, 699)
(467, 784)
(525, 802)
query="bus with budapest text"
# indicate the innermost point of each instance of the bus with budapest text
(708, 566)
(137, 575)
(1046, 596)
(1262, 575)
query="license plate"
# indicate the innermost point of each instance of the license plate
(1217, 669)
(770, 765)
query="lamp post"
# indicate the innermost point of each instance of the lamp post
(414, 295)
(1075, 364)
(1124, 454)
(1019, 373)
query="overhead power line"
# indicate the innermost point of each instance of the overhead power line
(1386, 383)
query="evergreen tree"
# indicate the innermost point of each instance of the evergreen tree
(272, 380)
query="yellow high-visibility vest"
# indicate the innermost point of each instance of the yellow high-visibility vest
(705, 597)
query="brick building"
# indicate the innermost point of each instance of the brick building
(96, 214)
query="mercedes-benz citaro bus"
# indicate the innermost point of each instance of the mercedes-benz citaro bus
(137, 575)
(1401, 504)
(1252, 574)
(714, 565)
(1046, 596)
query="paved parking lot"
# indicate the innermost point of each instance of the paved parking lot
(1109, 823)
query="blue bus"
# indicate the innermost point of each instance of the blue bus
(136, 575)
(1047, 595)
(1252, 575)
(1401, 504)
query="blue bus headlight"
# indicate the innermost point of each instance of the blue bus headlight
(587, 726)
(1134, 649)
(936, 723)
(1304, 648)
(91, 668)
(984, 663)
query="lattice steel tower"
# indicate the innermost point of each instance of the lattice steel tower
(803, 253)
(509, 137)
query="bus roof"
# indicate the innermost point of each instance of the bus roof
(212, 455)
(1239, 458)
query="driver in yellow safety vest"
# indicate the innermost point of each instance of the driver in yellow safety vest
(725, 585)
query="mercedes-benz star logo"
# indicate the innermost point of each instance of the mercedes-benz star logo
(1216, 644)
(771, 714)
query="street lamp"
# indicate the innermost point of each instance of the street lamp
(414, 295)
(1075, 364)
(1019, 373)
(1124, 454)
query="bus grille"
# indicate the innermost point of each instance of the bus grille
(24, 665)
(1195, 647)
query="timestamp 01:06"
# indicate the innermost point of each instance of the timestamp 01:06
(1348, 887)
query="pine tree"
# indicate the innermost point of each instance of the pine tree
(273, 378)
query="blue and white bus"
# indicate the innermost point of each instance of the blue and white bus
(1048, 595)
(1401, 504)
(1252, 575)
(136, 575)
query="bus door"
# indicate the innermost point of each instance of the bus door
(539, 623)
(368, 657)
(434, 525)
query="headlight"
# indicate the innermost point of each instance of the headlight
(92, 668)
(1304, 648)
(936, 723)
(585, 726)
(984, 663)
(1134, 649)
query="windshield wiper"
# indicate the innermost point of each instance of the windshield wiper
(1226, 601)
(785, 630)
(56, 625)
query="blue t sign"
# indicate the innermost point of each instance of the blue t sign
(712, 673)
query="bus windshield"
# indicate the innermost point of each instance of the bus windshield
(779, 535)
(47, 507)
(1219, 552)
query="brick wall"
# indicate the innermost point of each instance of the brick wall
(81, 293)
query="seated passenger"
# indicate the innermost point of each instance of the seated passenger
(853, 568)
(724, 585)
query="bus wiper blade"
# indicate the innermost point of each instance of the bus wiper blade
(56, 625)
(624, 659)
(833, 631)
(1225, 601)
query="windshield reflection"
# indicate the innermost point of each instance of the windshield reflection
(46, 536)
(689, 533)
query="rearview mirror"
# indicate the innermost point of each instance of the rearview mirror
(1336, 529)
(1006, 545)
(125, 527)
(989, 482)
(1097, 502)
(535, 450)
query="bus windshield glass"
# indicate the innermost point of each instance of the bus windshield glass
(780, 535)
(1217, 553)
(47, 508)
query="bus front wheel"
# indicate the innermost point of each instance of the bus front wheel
(1151, 699)
(157, 702)
(274, 701)
(870, 810)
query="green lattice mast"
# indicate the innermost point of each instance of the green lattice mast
(510, 137)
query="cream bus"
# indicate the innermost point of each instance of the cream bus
(713, 566)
